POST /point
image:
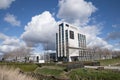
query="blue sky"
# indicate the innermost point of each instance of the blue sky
(103, 19)
(24, 10)
(108, 13)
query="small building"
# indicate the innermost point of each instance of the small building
(36, 58)
(45, 56)
(49, 56)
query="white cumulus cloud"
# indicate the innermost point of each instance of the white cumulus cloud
(41, 29)
(10, 18)
(10, 43)
(6, 48)
(5, 3)
(78, 12)
(75, 11)
(3, 36)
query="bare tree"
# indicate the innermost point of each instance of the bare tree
(99, 53)
(116, 53)
(107, 54)
(18, 53)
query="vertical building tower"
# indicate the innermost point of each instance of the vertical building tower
(70, 44)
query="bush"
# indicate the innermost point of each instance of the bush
(90, 63)
(73, 66)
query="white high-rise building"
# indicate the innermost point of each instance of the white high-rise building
(70, 44)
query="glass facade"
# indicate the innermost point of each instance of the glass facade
(81, 41)
(82, 47)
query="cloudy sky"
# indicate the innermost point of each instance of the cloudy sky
(33, 23)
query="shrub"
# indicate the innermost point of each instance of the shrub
(91, 63)
(73, 66)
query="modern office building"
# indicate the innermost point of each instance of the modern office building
(70, 44)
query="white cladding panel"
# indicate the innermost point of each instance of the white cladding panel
(68, 42)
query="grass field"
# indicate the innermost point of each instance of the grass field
(90, 74)
(26, 67)
(81, 74)
(109, 62)
(74, 74)
(46, 71)
(51, 71)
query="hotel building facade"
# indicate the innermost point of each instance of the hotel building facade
(70, 44)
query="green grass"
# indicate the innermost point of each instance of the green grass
(90, 74)
(51, 72)
(109, 61)
(26, 67)
(81, 74)
(55, 70)
(74, 74)
(54, 67)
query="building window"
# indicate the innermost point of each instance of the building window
(71, 35)
(67, 25)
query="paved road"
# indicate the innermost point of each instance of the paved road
(105, 67)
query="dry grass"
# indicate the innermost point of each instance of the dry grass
(12, 74)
